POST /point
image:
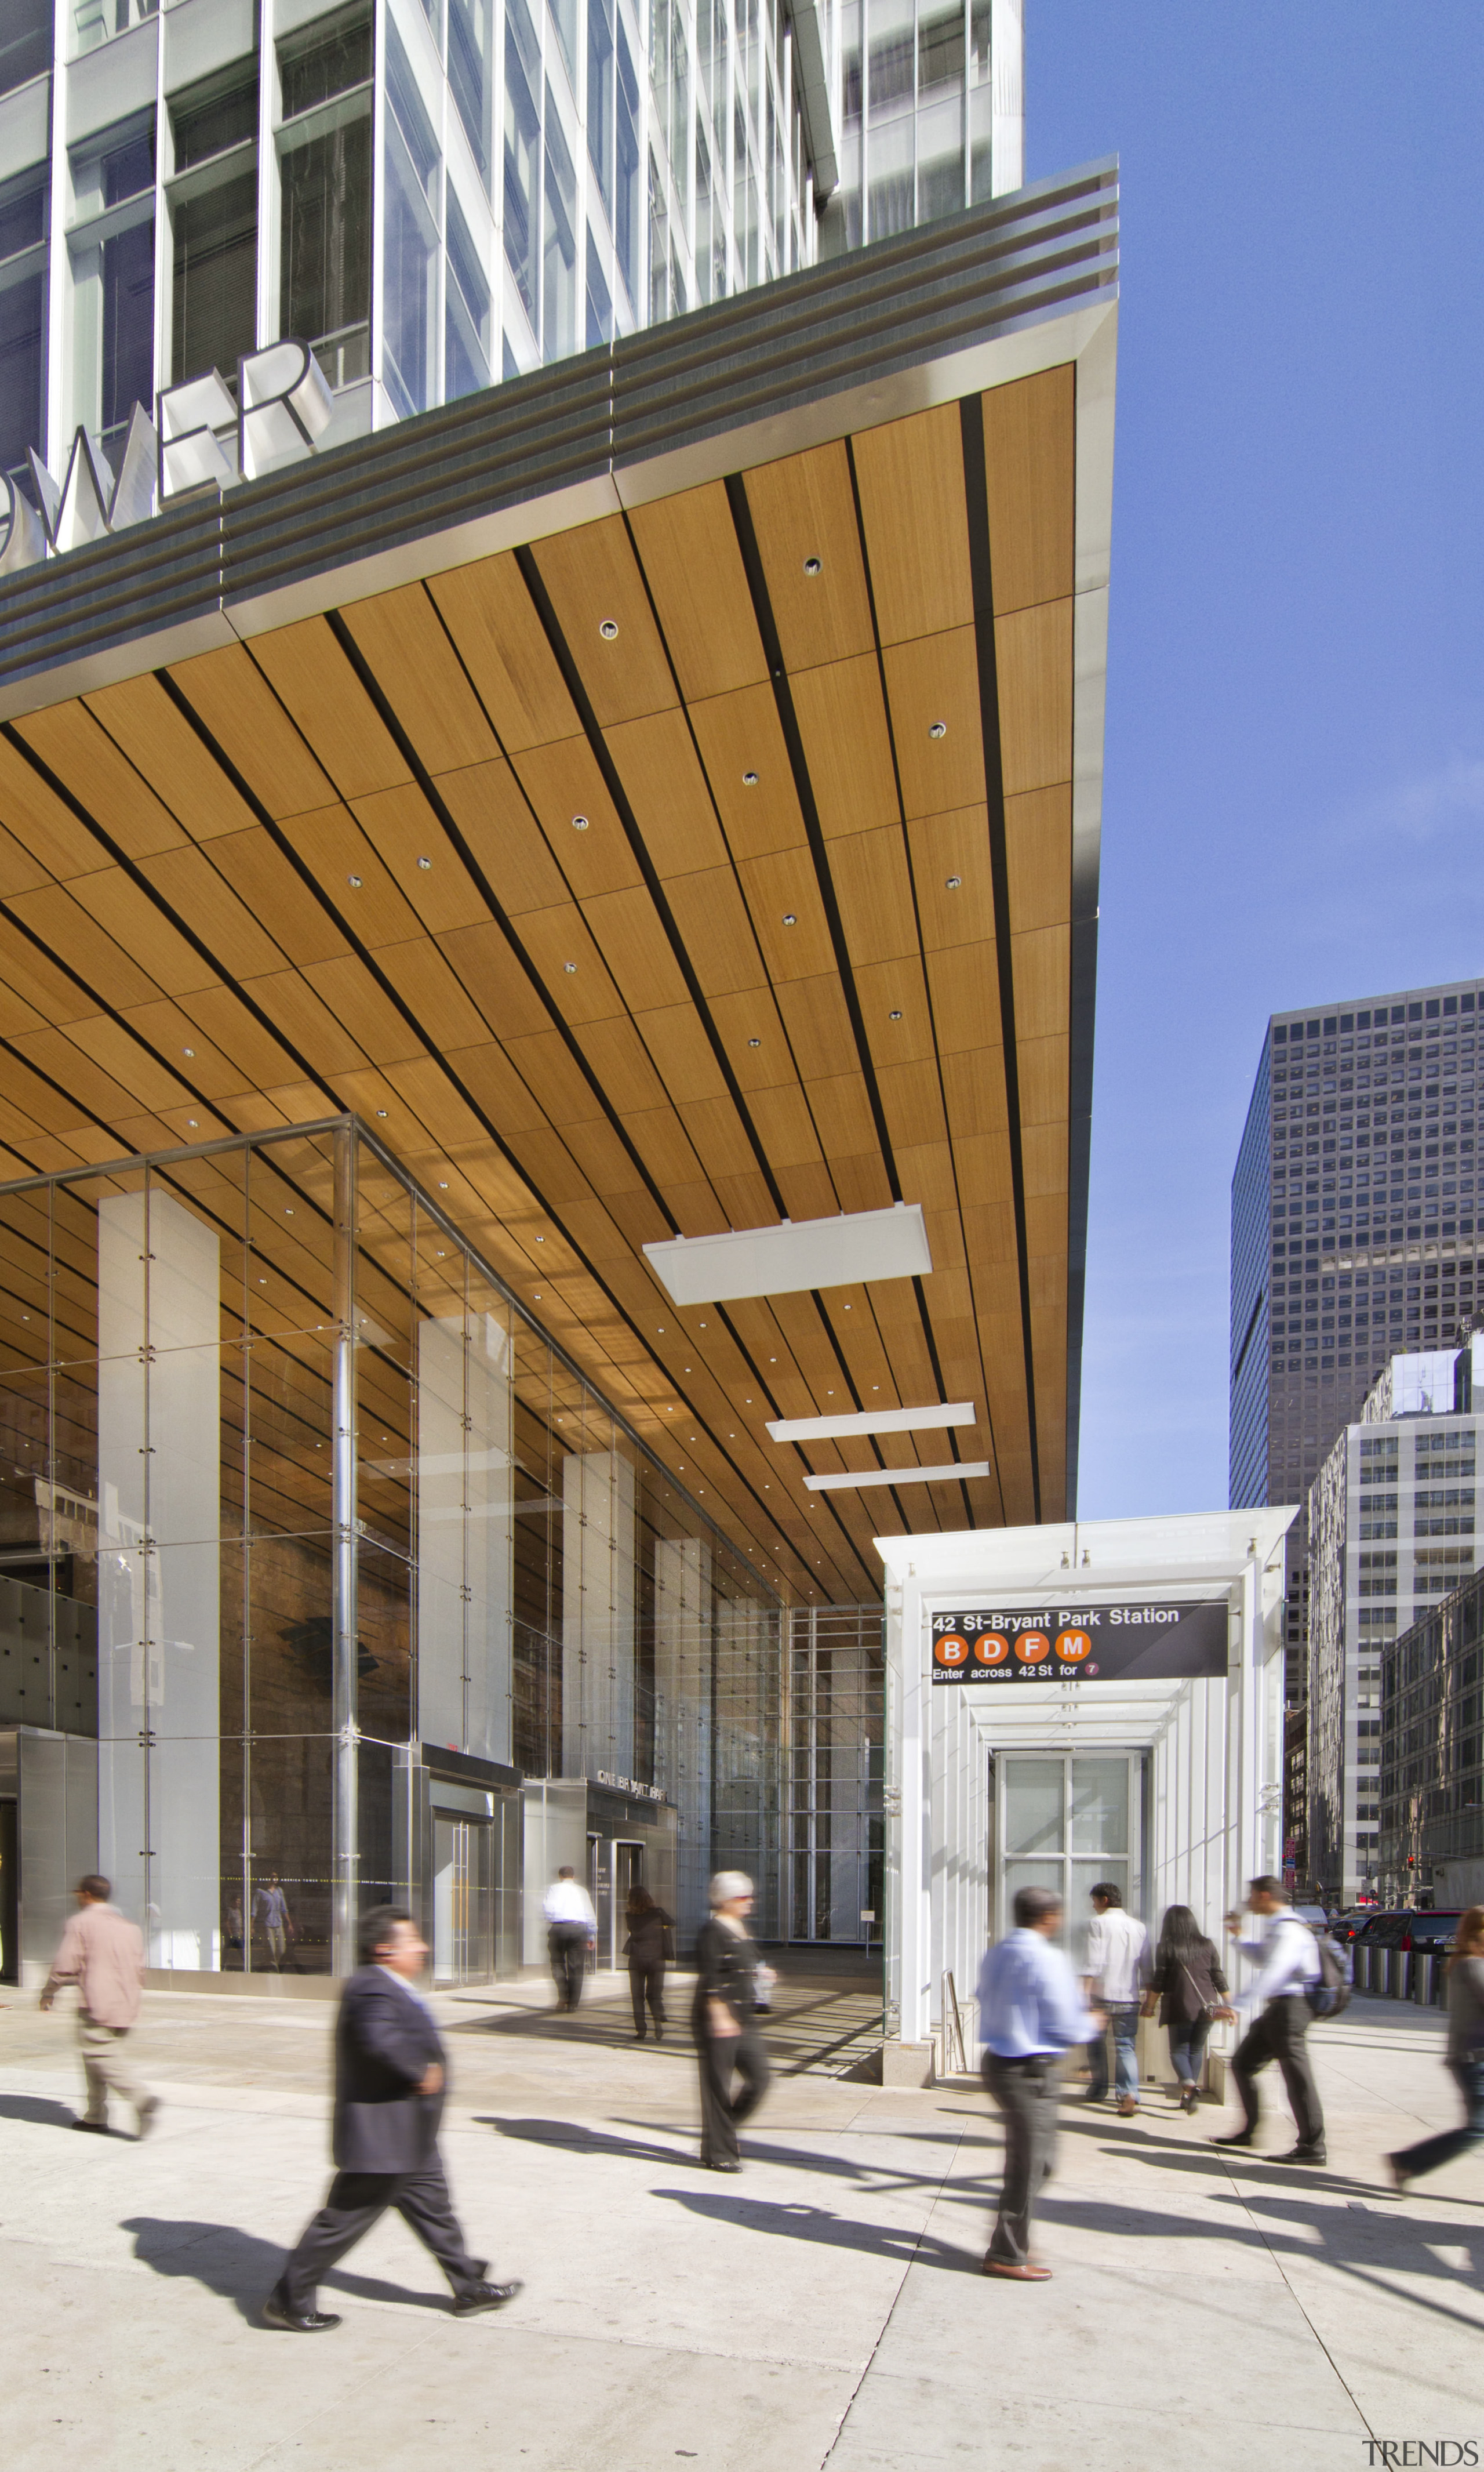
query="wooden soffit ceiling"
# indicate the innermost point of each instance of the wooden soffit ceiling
(810, 948)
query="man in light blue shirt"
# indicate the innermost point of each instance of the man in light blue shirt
(1030, 2012)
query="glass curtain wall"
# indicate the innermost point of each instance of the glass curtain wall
(836, 1719)
(916, 109)
(288, 1468)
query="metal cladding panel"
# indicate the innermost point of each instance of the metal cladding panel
(138, 582)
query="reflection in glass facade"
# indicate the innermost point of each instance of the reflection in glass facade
(350, 1546)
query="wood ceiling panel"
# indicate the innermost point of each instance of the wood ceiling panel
(61, 921)
(688, 548)
(491, 616)
(619, 1066)
(910, 475)
(495, 1082)
(935, 678)
(975, 1092)
(739, 1019)
(221, 1016)
(159, 741)
(404, 832)
(81, 755)
(1031, 478)
(564, 781)
(234, 701)
(896, 988)
(841, 1108)
(818, 1026)
(847, 746)
(803, 508)
(334, 850)
(319, 689)
(739, 735)
(964, 984)
(406, 645)
(592, 577)
(267, 883)
(1033, 657)
(556, 1079)
(1038, 857)
(668, 793)
(206, 902)
(1043, 1084)
(424, 978)
(778, 889)
(504, 837)
(785, 1127)
(292, 1005)
(719, 1142)
(873, 887)
(810, 1190)
(684, 1056)
(1043, 983)
(498, 983)
(57, 1055)
(609, 1170)
(15, 1013)
(713, 921)
(953, 915)
(640, 957)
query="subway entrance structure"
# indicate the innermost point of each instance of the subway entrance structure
(1081, 1702)
(656, 799)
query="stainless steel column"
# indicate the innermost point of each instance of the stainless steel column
(345, 1846)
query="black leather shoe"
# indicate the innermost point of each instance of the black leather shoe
(94, 2127)
(1304, 2155)
(313, 2321)
(1237, 2137)
(476, 2296)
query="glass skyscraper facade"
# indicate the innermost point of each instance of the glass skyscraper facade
(435, 194)
(1353, 1232)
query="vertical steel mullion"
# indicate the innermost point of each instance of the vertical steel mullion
(146, 1548)
(345, 1833)
(249, 1160)
(49, 1459)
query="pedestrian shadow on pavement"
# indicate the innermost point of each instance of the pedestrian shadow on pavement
(1368, 2248)
(882, 2176)
(38, 2109)
(817, 2224)
(239, 2267)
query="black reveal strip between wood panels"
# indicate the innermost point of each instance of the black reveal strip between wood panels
(971, 425)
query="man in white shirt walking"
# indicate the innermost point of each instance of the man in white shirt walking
(1118, 1965)
(571, 1930)
(1287, 1959)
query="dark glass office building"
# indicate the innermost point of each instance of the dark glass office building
(1353, 1231)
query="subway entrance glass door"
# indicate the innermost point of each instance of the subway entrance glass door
(1063, 1820)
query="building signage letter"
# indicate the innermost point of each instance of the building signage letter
(284, 407)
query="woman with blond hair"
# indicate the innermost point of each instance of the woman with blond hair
(1465, 2055)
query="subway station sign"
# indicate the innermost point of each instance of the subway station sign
(199, 439)
(1146, 1639)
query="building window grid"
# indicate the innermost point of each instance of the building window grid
(457, 50)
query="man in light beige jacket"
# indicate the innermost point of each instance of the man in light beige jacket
(102, 1952)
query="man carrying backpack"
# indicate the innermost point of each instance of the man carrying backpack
(1287, 1955)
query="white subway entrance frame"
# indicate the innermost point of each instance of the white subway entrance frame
(1214, 1746)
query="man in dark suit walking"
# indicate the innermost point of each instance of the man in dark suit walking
(391, 2073)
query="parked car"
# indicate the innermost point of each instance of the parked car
(1348, 1926)
(1314, 1915)
(1411, 1927)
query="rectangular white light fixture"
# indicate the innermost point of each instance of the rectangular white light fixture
(899, 1476)
(842, 1252)
(876, 1420)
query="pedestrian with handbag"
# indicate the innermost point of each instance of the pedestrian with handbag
(727, 2043)
(1189, 1988)
(1465, 2055)
(651, 1941)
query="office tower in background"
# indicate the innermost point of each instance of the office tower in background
(1353, 1233)
(438, 193)
(1390, 1530)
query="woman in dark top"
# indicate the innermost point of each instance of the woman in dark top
(1187, 1983)
(647, 1947)
(727, 2041)
(1465, 2055)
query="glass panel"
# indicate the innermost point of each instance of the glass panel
(522, 151)
(325, 244)
(1084, 1878)
(22, 367)
(290, 1634)
(1099, 1806)
(559, 259)
(629, 210)
(214, 298)
(1032, 1876)
(1032, 1806)
(466, 312)
(290, 1419)
(291, 1868)
(599, 96)
(384, 1627)
(471, 41)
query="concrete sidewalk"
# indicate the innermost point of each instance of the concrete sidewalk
(825, 2309)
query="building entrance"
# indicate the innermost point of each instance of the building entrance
(463, 1886)
(1063, 1821)
(615, 1865)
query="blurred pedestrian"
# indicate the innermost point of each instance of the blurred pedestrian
(101, 1952)
(1286, 1956)
(727, 2042)
(1189, 1989)
(571, 1931)
(390, 2077)
(270, 1908)
(1117, 1948)
(651, 1941)
(1029, 2013)
(1465, 2055)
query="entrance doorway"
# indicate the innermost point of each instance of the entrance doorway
(1063, 1820)
(615, 1864)
(464, 1900)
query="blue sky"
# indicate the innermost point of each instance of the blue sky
(1294, 793)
